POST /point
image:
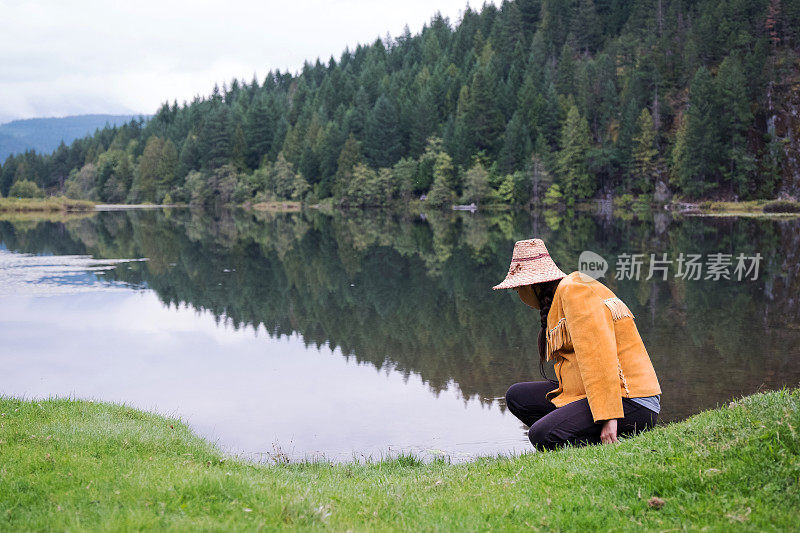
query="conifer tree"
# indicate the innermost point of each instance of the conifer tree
(190, 155)
(516, 145)
(216, 137)
(349, 157)
(483, 115)
(699, 162)
(734, 122)
(645, 154)
(383, 142)
(573, 170)
(259, 131)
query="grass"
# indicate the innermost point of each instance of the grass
(281, 206)
(782, 206)
(75, 465)
(52, 204)
(21, 217)
(749, 206)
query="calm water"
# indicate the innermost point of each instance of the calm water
(366, 334)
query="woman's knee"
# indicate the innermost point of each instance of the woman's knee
(513, 393)
(542, 437)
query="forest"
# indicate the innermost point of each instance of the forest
(531, 102)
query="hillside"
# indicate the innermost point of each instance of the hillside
(534, 101)
(45, 134)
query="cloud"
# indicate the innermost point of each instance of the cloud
(60, 58)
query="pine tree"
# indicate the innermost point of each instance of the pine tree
(259, 131)
(516, 145)
(355, 120)
(483, 115)
(645, 155)
(423, 114)
(734, 123)
(565, 75)
(698, 160)
(190, 155)
(575, 181)
(216, 137)
(587, 29)
(383, 143)
(349, 157)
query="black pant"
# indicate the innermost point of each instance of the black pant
(552, 427)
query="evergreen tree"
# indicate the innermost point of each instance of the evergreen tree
(259, 131)
(645, 155)
(190, 155)
(383, 143)
(586, 29)
(734, 121)
(573, 170)
(697, 160)
(483, 115)
(355, 121)
(349, 157)
(424, 116)
(516, 145)
(216, 137)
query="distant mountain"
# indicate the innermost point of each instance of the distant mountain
(45, 134)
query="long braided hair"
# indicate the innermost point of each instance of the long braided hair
(545, 292)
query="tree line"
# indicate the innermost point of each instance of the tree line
(546, 101)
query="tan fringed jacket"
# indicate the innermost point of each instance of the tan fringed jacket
(597, 349)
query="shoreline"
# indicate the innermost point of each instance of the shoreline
(751, 208)
(81, 465)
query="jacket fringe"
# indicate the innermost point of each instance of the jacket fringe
(624, 381)
(618, 308)
(557, 337)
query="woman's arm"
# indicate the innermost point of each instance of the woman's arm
(591, 329)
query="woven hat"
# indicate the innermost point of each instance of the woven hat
(530, 263)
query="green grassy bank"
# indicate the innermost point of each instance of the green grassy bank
(52, 204)
(73, 465)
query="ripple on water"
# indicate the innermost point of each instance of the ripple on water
(44, 275)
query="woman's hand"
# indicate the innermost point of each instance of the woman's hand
(609, 432)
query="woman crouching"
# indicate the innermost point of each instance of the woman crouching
(606, 383)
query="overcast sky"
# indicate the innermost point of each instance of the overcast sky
(62, 57)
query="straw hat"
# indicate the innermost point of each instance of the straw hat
(530, 263)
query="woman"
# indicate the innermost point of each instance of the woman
(606, 383)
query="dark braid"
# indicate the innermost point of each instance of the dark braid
(545, 291)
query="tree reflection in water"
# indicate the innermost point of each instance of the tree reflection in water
(415, 292)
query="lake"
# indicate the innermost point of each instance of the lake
(367, 333)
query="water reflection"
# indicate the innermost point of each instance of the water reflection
(413, 295)
(55, 274)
